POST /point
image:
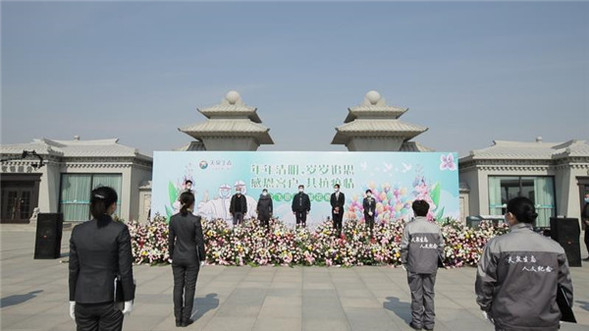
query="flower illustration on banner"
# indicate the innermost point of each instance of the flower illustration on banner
(447, 162)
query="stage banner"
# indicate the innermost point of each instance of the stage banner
(395, 178)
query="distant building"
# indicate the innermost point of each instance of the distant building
(71, 169)
(231, 126)
(553, 175)
(375, 126)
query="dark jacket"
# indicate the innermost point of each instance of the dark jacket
(238, 204)
(264, 208)
(422, 246)
(337, 202)
(301, 202)
(99, 250)
(369, 204)
(186, 243)
(517, 279)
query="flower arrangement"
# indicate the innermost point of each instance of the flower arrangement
(252, 244)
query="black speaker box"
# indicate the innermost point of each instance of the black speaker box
(48, 237)
(566, 232)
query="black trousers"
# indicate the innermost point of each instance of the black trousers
(337, 222)
(369, 221)
(184, 287)
(98, 317)
(301, 217)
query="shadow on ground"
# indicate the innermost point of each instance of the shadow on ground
(401, 309)
(18, 298)
(204, 305)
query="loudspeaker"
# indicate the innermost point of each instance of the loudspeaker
(48, 237)
(566, 232)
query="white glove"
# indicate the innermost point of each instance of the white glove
(403, 266)
(73, 310)
(128, 307)
(370, 213)
(486, 316)
(170, 261)
(202, 263)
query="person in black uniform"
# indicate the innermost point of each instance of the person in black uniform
(301, 205)
(369, 205)
(338, 199)
(187, 253)
(238, 207)
(264, 209)
(100, 249)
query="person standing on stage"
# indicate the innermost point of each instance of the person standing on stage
(264, 209)
(338, 199)
(421, 248)
(301, 205)
(238, 207)
(369, 205)
(520, 273)
(187, 253)
(100, 250)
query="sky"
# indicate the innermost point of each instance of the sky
(471, 72)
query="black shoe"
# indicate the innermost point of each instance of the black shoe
(587, 259)
(187, 323)
(429, 328)
(414, 327)
(178, 324)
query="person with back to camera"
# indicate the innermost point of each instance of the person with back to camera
(519, 274)
(421, 248)
(301, 205)
(264, 209)
(187, 255)
(337, 201)
(100, 249)
(369, 205)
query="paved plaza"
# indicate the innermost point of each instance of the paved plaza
(34, 296)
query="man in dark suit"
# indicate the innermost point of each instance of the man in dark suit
(238, 207)
(100, 249)
(338, 199)
(301, 205)
(369, 205)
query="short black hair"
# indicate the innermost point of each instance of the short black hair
(336, 185)
(301, 185)
(523, 209)
(368, 191)
(188, 181)
(420, 207)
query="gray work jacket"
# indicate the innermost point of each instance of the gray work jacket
(517, 279)
(422, 245)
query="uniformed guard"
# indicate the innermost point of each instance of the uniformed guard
(421, 248)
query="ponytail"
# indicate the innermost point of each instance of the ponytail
(187, 201)
(101, 198)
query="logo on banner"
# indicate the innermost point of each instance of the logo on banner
(203, 164)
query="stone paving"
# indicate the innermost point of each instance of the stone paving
(34, 296)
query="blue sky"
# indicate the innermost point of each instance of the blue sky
(471, 72)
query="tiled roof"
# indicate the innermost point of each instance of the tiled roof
(538, 150)
(230, 128)
(386, 127)
(76, 148)
(413, 146)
